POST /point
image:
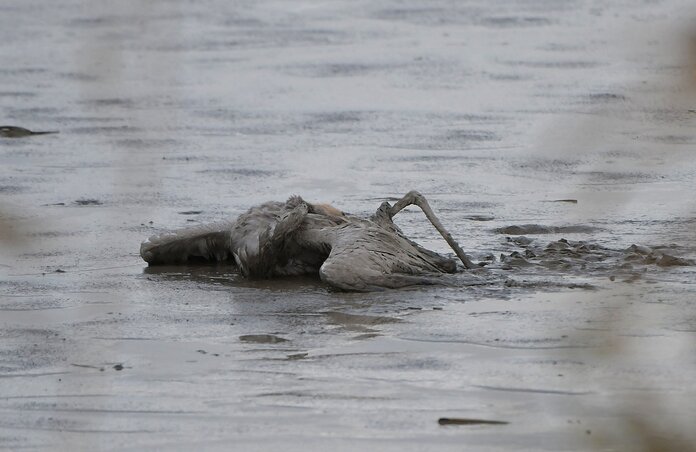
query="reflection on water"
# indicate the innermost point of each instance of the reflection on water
(226, 275)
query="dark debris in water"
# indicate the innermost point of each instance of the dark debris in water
(547, 285)
(480, 217)
(468, 421)
(20, 132)
(262, 338)
(569, 201)
(342, 318)
(362, 337)
(88, 366)
(87, 202)
(532, 229)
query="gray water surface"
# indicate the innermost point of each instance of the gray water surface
(178, 113)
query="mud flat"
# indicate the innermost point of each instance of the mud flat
(175, 114)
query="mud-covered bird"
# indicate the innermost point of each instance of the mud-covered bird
(19, 132)
(297, 238)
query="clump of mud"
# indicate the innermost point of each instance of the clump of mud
(533, 229)
(644, 255)
(581, 257)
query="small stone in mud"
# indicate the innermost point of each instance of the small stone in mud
(521, 240)
(514, 260)
(202, 352)
(88, 202)
(58, 270)
(262, 338)
(118, 367)
(640, 249)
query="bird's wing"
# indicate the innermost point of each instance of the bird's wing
(368, 259)
(208, 242)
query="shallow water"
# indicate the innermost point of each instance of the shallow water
(175, 113)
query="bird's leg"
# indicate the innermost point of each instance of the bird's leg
(415, 198)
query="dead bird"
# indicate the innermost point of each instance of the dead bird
(18, 132)
(296, 238)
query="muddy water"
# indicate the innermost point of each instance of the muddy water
(176, 113)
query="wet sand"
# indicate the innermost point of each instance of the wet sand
(172, 114)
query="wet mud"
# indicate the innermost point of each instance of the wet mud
(583, 257)
(553, 139)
